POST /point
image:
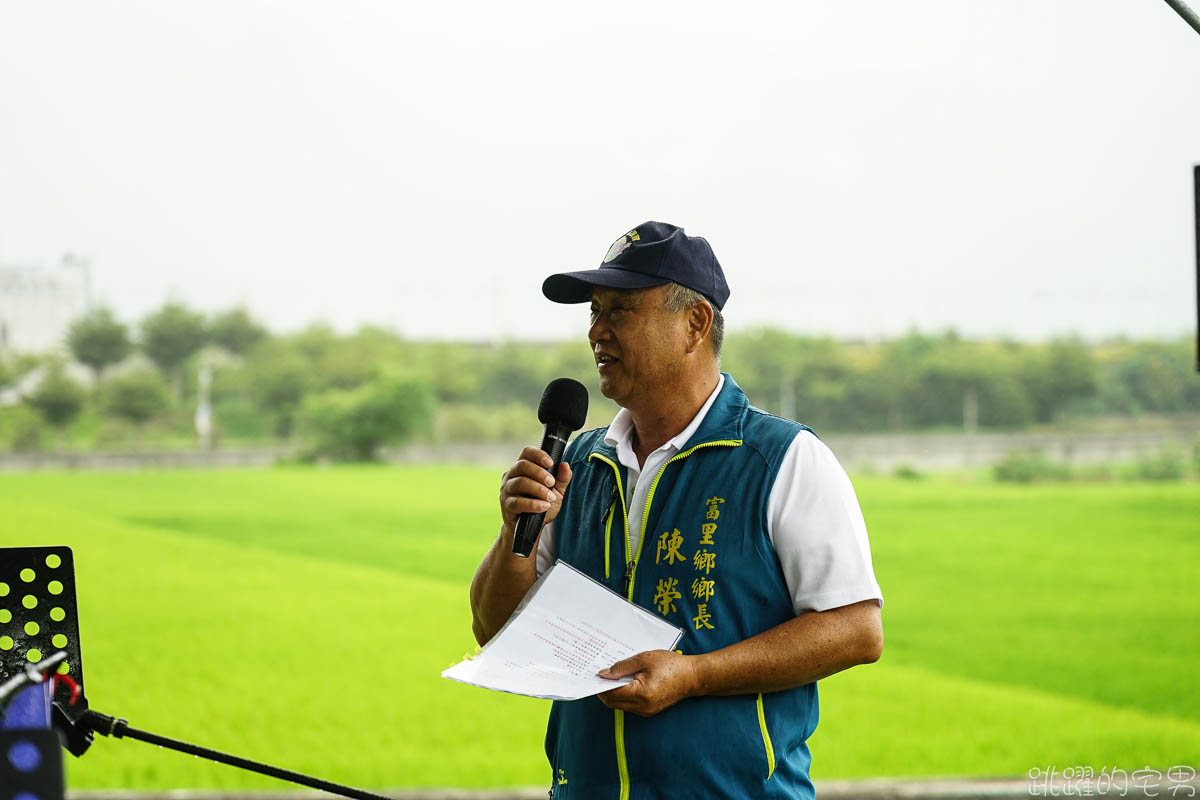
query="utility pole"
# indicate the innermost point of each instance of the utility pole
(204, 415)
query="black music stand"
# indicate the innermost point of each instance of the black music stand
(39, 615)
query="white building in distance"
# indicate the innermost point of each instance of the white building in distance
(38, 305)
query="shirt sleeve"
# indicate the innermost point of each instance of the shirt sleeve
(818, 531)
(545, 549)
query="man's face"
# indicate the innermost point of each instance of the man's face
(637, 344)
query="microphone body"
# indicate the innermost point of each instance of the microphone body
(529, 524)
(563, 410)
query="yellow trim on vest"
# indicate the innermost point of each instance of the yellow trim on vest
(618, 715)
(620, 491)
(622, 764)
(766, 737)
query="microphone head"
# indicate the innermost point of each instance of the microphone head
(565, 401)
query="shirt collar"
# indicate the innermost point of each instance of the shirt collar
(620, 431)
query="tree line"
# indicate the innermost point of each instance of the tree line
(346, 395)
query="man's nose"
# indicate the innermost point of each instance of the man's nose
(599, 330)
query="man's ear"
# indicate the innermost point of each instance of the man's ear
(700, 319)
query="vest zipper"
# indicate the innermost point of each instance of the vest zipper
(630, 569)
(650, 498)
(608, 518)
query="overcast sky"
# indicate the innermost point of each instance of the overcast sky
(1019, 168)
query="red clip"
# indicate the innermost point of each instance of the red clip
(70, 683)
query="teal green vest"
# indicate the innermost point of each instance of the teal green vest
(705, 562)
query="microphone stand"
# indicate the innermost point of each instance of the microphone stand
(78, 733)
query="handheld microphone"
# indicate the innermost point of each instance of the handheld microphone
(563, 410)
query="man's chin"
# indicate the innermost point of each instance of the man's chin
(609, 388)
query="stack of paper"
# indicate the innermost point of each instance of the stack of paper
(568, 628)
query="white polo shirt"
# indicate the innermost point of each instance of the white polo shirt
(813, 517)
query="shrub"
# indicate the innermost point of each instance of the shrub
(279, 385)
(58, 398)
(512, 422)
(114, 432)
(237, 417)
(1165, 465)
(907, 472)
(352, 424)
(1096, 473)
(463, 423)
(1027, 466)
(136, 396)
(21, 429)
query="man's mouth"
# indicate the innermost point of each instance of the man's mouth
(603, 360)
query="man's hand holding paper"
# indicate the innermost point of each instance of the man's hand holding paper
(567, 630)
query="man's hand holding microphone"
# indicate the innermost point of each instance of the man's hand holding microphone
(529, 490)
(531, 495)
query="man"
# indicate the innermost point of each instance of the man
(737, 526)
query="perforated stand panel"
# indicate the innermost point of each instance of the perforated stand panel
(39, 612)
(30, 765)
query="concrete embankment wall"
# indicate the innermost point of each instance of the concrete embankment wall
(934, 451)
(925, 451)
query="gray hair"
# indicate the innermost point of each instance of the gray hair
(680, 297)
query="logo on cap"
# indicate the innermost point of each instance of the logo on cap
(619, 245)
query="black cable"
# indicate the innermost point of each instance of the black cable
(1188, 15)
(119, 728)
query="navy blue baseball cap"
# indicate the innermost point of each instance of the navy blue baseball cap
(651, 254)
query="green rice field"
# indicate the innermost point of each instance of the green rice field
(301, 616)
